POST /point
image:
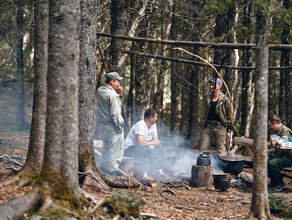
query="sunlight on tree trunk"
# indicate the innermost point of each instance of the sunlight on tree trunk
(260, 205)
(60, 166)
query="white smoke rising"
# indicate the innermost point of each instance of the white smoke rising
(182, 159)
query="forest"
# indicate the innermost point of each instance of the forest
(54, 55)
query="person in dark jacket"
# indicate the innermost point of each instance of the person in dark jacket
(217, 119)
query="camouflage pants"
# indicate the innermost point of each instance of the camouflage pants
(213, 130)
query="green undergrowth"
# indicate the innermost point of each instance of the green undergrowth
(125, 205)
(280, 207)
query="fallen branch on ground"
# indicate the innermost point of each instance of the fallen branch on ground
(5, 159)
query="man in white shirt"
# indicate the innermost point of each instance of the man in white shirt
(142, 143)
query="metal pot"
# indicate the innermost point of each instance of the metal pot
(232, 164)
(222, 181)
(204, 159)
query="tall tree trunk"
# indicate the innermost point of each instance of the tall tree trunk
(131, 97)
(272, 90)
(137, 13)
(142, 77)
(35, 153)
(260, 204)
(20, 114)
(230, 39)
(118, 26)
(220, 30)
(194, 127)
(87, 71)
(173, 86)
(247, 76)
(60, 166)
(141, 98)
(285, 88)
(158, 96)
(184, 76)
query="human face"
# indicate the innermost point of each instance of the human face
(153, 119)
(273, 126)
(212, 86)
(115, 84)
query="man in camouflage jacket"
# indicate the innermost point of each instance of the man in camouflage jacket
(217, 119)
(278, 158)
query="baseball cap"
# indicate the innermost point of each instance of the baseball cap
(218, 81)
(114, 76)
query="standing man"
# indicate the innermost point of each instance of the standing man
(217, 118)
(111, 124)
(278, 158)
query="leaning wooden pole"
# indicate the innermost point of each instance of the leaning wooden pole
(224, 83)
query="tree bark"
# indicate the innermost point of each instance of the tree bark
(285, 88)
(35, 153)
(220, 30)
(131, 95)
(247, 77)
(118, 26)
(174, 86)
(59, 172)
(20, 114)
(185, 77)
(230, 39)
(142, 77)
(58, 179)
(202, 176)
(260, 204)
(87, 71)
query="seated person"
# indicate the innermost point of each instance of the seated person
(142, 143)
(278, 158)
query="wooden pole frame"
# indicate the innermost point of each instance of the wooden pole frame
(276, 47)
(155, 56)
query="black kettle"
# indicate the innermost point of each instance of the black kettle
(204, 159)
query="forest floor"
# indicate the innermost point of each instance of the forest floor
(166, 202)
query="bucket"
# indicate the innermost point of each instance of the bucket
(222, 181)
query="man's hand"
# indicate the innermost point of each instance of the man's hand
(151, 147)
(156, 141)
(228, 134)
(119, 89)
(273, 142)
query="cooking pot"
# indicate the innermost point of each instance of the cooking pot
(232, 164)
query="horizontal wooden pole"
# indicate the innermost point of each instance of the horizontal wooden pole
(154, 56)
(196, 44)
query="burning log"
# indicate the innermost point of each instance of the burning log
(202, 176)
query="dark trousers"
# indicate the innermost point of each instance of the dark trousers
(276, 162)
(149, 161)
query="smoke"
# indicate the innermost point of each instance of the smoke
(183, 162)
(173, 156)
(186, 158)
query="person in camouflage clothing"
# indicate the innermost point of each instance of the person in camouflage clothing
(217, 119)
(278, 158)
